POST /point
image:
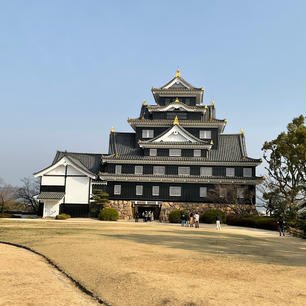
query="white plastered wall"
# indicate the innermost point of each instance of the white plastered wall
(53, 180)
(77, 189)
(51, 208)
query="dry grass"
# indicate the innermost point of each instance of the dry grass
(154, 264)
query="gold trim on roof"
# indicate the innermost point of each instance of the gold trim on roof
(112, 130)
(212, 102)
(144, 102)
(176, 121)
(241, 131)
(177, 100)
(178, 74)
(211, 142)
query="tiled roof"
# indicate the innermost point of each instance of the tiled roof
(86, 161)
(230, 148)
(48, 195)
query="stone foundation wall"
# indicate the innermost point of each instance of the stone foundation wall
(124, 208)
(126, 212)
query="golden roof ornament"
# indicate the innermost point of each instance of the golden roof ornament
(211, 142)
(244, 157)
(212, 102)
(142, 118)
(117, 155)
(241, 131)
(144, 102)
(263, 177)
(176, 121)
(210, 119)
(178, 74)
(225, 120)
(177, 100)
(202, 88)
(205, 107)
(112, 130)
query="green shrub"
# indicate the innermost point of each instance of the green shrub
(264, 222)
(62, 217)
(209, 216)
(4, 215)
(175, 216)
(108, 214)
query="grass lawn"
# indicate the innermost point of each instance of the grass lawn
(158, 264)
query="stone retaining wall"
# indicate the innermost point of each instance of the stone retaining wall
(125, 208)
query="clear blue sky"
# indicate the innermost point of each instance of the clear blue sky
(70, 70)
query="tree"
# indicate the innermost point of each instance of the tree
(286, 158)
(228, 196)
(7, 193)
(28, 191)
(98, 201)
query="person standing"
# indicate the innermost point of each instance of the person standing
(281, 224)
(183, 219)
(152, 216)
(191, 220)
(136, 217)
(196, 220)
(218, 226)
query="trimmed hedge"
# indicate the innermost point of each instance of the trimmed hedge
(209, 216)
(62, 217)
(108, 214)
(175, 216)
(268, 223)
(5, 215)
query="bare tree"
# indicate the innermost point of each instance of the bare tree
(28, 191)
(238, 199)
(7, 193)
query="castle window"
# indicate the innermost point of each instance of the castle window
(197, 153)
(203, 192)
(206, 171)
(118, 169)
(183, 171)
(138, 169)
(139, 189)
(247, 172)
(240, 193)
(153, 152)
(175, 152)
(222, 193)
(205, 134)
(230, 172)
(155, 190)
(147, 133)
(158, 170)
(117, 189)
(175, 191)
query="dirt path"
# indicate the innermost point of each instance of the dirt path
(27, 280)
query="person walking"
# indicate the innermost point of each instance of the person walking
(196, 220)
(218, 226)
(136, 217)
(152, 216)
(191, 220)
(281, 224)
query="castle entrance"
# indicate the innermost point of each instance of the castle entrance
(141, 207)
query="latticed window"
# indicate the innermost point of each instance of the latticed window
(175, 191)
(139, 189)
(175, 152)
(223, 193)
(206, 171)
(153, 152)
(138, 169)
(158, 170)
(197, 153)
(247, 172)
(118, 169)
(203, 192)
(117, 189)
(183, 171)
(155, 190)
(240, 193)
(147, 133)
(230, 172)
(205, 134)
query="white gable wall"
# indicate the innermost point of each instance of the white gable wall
(73, 171)
(77, 189)
(53, 180)
(60, 170)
